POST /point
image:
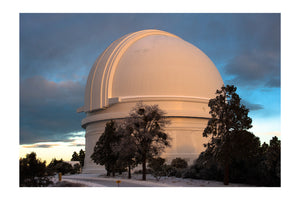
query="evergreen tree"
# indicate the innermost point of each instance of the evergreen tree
(33, 172)
(104, 153)
(81, 157)
(75, 156)
(271, 167)
(228, 128)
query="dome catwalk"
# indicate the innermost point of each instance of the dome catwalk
(155, 67)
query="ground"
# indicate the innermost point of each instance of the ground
(96, 180)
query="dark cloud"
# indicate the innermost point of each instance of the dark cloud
(252, 69)
(48, 109)
(273, 82)
(78, 145)
(252, 106)
(257, 59)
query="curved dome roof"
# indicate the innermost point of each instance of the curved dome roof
(150, 63)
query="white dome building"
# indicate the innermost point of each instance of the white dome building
(155, 67)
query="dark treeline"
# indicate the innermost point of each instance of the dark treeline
(233, 152)
(260, 169)
(35, 173)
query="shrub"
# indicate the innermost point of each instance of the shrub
(179, 163)
(157, 165)
(63, 167)
(76, 169)
(169, 170)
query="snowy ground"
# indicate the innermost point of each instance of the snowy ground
(89, 180)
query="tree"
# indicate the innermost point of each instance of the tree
(33, 172)
(270, 164)
(146, 124)
(79, 157)
(51, 168)
(126, 148)
(104, 153)
(273, 156)
(228, 128)
(75, 156)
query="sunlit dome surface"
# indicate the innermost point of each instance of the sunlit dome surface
(150, 63)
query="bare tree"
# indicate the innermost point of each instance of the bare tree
(146, 124)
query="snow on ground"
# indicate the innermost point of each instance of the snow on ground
(151, 181)
(73, 180)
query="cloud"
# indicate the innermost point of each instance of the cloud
(255, 62)
(48, 109)
(38, 91)
(79, 145)
(41, 145)
(252, 106)
(273, 82)
(255, 68)
(70, 142)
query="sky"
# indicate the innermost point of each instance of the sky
(57, 52)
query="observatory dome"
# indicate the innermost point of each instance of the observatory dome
(150, 63)
(155, 67)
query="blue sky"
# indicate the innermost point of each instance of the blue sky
(58, 50)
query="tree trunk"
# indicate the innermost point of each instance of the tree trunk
(226, 173)
(144, 169)
(129, 172)
(113, 171)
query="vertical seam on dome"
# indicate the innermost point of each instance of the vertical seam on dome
(96, 68)
(108, 64)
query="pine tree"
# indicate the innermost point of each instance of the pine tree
(228, 128)
(104, 153)
(75, 156)
(81, 157)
